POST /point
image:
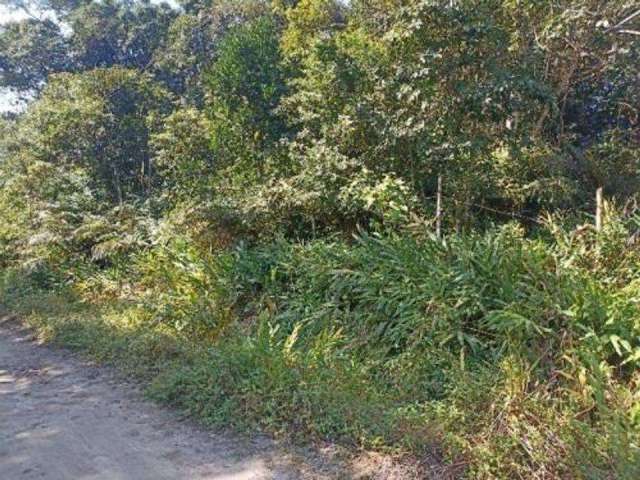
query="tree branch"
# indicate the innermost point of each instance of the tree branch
(621, 23)
(630, 32)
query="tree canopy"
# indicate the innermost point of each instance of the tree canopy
(522, 107)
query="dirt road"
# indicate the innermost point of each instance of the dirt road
(62, 419)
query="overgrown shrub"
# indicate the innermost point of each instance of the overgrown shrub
(511, 356)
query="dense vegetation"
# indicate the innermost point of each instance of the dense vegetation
(235, 201)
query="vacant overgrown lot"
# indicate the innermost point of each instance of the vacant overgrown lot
(239, 201)
(491, 356)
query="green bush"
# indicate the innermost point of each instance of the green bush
(504, 355)
(518, 355)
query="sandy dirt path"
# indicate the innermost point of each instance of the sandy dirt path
(64, 419)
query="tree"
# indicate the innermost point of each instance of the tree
(244, 87)
(117, 33)
(309, 21)
(30, 51)
(498, 97)
(193, 40)
(182, 155)
(97, 122)
(82, 35)
(77, 168)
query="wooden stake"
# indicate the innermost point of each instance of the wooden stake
(599, 209)
(439, 209)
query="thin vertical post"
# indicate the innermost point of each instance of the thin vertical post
(439, 209)
(599, 209)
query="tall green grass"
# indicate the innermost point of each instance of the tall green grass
(500, 355)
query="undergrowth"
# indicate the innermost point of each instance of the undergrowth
(500, 356)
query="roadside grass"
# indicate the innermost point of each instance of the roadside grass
(106, 334)
(491, 356)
